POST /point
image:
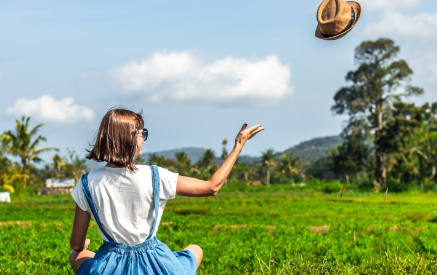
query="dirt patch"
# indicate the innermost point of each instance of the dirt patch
(238, 226)
(319, 229)
(19, 223)
(233, 227)
(271, 228)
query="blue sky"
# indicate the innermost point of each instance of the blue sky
(197, 69)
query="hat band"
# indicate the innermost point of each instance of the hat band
(345, 29)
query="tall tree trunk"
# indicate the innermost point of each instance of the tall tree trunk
(433, 173)
(24, 164)
(380, 171)
(268, 177)
(347, 179)
(380, 156)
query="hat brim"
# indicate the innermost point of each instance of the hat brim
(357, 9)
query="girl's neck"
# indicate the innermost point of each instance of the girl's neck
(112, 165)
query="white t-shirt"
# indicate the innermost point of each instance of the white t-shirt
(124, 200)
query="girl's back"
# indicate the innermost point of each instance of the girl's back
(124, 200)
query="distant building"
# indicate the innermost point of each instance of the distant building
(57, 186)
(5, 197)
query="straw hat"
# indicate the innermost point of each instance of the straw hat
(336, 18)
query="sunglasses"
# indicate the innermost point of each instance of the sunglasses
(145, 134)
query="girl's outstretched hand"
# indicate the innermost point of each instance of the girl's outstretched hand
(247, 133)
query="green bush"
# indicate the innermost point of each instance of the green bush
(331, 187)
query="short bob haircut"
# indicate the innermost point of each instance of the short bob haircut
(116, 140)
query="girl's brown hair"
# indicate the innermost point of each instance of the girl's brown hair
(116, 140)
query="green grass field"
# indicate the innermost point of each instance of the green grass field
(257, 230)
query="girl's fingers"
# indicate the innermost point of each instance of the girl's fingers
(256, 132)
(244, 126)
(250, 132)
(87, 243)
(253, 128)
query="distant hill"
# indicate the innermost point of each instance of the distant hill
(194, 153)
(307, 151)
(316, 148)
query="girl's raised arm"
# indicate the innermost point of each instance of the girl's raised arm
(191, 187)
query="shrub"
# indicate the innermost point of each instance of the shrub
(331, 187)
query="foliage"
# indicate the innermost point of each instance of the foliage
(206, 165)
(158, 160)
(268, 163)
(411, 139)
(289, 168)
(368, 101)
(322, 168)
(224, 150)
(421, 156)
(183, 162)
(7, 188)
(58, 163)
(15, 177)
(353, 156)
(139, 160)
(24, 142)
(245, 172)
(75, 166)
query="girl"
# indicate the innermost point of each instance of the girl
(127, 202)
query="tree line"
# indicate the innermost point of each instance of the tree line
(388, 141)
(23, 144)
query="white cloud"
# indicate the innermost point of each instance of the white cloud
(47, 109)
(181, 76)
(422, 25)
(389, 4)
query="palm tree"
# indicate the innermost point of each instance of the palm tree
(268, 162)
(158, 160)
(58, 163)
(224, 150)
(244, 171)
(3, 147)
(24, 142)
(183, 162)
(76, 166)
(421, 154)
(207, 159)
(206, 164)
(289, 165)
(139, 160)
(4, 161)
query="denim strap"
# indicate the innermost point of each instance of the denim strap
(155, 181)
(89, 199)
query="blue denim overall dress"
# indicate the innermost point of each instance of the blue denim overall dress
(149, 257)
